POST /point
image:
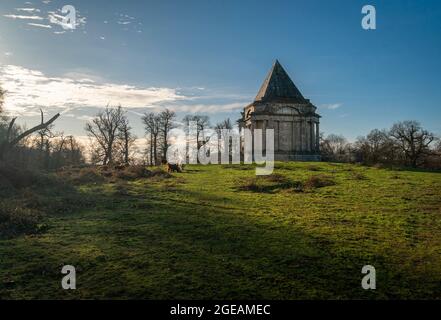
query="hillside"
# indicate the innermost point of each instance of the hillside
(219, 232)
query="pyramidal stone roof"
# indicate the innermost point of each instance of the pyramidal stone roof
(278, 86)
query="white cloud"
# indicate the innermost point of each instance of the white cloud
(209, 108)
(27, 9)
(54, 18)
(331, 106)
(8, 54)
(28, 90)
(46, 26)
(15, 16)
(85, 118)
(128, 23)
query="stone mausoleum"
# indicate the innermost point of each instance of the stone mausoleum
(279, 105)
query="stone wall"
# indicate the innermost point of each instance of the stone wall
(296, 135)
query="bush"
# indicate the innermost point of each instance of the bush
(26, 196)
(252, 185)
(269, 183)
(319, 181)
(239, 166)
(358, 176)
(121, 189)
(133, 173)
(84, 175)
(20, 178)
(160, 174)
(16, 220)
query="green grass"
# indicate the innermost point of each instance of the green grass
(202, 235)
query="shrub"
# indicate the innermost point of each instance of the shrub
(269, 183)
(239, 166)
(21, 178)
(82, 175)
(312, 167)
(275, 177)
(121, 189)
(319, 181)
(16, 220)
(358, 176)
(160, 174)
(132, 173)
(25, 196)
(251, 184)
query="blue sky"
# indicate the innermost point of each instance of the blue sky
(212, 56)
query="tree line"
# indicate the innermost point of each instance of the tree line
(111, 131)
(406, 143)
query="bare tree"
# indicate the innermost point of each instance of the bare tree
(334, 148)
(151, 125)
(225, 124)
(126, 140)
(202, 123)
(9, 141)
(44, 146)
(66, 151)
(104, 129)
(376, 147)
(223, 128)
(37, 147)
(3, 124)
(166, 124)
(438, 147)
(2, 97)
(412, 140)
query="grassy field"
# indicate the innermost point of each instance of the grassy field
(218, 232)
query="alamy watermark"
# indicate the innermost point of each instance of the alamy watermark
(69, 20)
(369, 21)
(369, 281)
(224, 146)
(69, 281)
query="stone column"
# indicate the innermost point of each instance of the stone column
(317, 137)
(264, 125)
(253, 124)
(276, 135)
(307, 135)
(293, 136)
(312, 136)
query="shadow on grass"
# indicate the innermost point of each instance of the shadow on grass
(156, 247)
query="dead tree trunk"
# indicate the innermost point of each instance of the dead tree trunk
(9, 144)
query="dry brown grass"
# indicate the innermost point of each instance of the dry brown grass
(319, 181)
